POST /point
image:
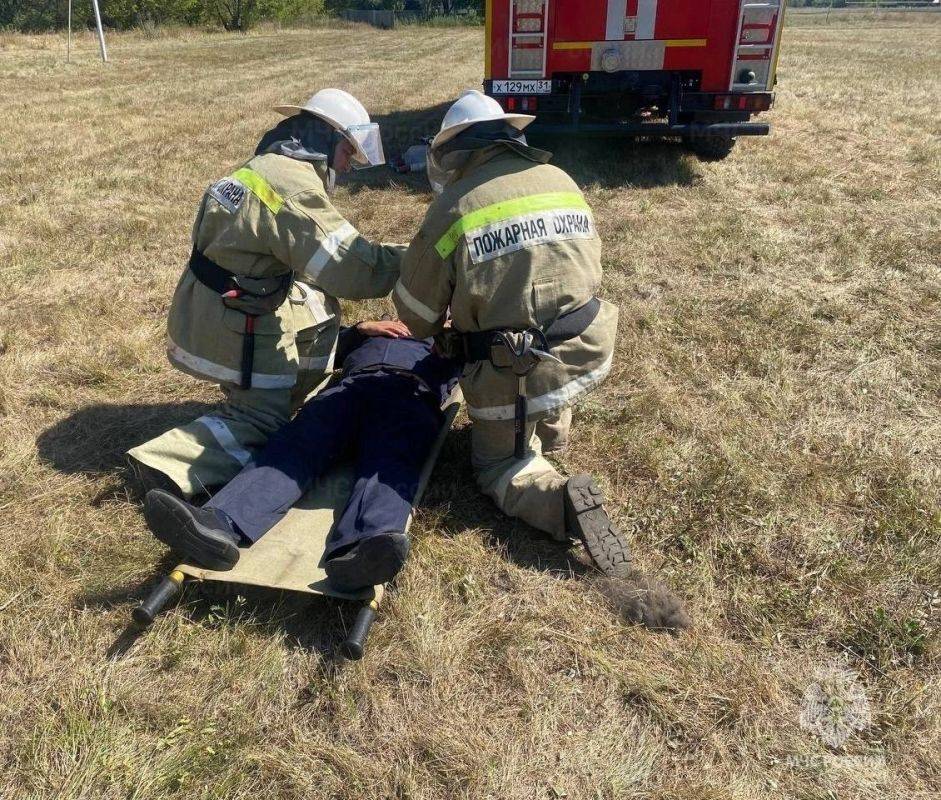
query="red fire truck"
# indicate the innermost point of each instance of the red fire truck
(693, 69)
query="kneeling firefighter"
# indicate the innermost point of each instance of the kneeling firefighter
(510, 247)
(256, 310)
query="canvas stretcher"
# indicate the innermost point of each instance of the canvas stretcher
(290, 556)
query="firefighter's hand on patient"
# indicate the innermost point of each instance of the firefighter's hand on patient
(394, 328)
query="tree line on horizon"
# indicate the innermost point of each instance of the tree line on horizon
(35, 16)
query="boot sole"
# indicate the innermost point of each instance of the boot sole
(171, 523)
(374, 561)
(605, 542)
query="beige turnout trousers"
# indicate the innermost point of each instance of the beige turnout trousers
(211, 450)
(530, 489)
(553, 431)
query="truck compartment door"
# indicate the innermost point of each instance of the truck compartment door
(616, 20)
(756, 46)
(673, 19)
(578, 21)
(528, 27)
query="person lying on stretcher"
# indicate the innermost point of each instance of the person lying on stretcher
(385, 411)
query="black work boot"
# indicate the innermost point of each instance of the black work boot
(586, 519)
(369, 562)
(150, 478)
(201, 535)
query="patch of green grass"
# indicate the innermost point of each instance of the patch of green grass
(889, 640)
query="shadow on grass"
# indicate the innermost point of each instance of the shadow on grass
(609, 162)
(317, 625)
(92, 441)
(612, 163)
(400, 130)
(309, 623)
(453, 488)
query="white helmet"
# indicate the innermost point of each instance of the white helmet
(347, 115)
(473, 107)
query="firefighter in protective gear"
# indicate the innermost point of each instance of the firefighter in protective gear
(256, 310)
(510, 248)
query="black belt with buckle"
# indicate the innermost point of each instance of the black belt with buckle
(478, 345)
(252, 297)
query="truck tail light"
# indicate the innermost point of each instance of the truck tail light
(760, 101)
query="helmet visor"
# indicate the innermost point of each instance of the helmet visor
(368, 143)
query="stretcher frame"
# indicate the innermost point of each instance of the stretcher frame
(294, 550)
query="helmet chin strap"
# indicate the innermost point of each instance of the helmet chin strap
(335, 138)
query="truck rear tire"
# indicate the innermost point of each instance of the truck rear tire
(710, 148)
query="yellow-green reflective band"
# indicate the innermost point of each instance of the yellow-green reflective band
(551, 201)
(259, 187)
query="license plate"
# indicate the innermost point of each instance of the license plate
(522, 87)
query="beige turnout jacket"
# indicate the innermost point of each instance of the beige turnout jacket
(510, 244)
(269, 218)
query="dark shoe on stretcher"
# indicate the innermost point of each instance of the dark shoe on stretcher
(370, 562)
(587, 520)
(200, 535)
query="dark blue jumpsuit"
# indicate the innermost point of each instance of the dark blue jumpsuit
(385, 412)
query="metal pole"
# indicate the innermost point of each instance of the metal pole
(68, 52)
(101, 33)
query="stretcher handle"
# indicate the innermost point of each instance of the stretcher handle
(163, 593)
(354, 646)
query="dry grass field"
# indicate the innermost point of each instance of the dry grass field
(771, 436)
